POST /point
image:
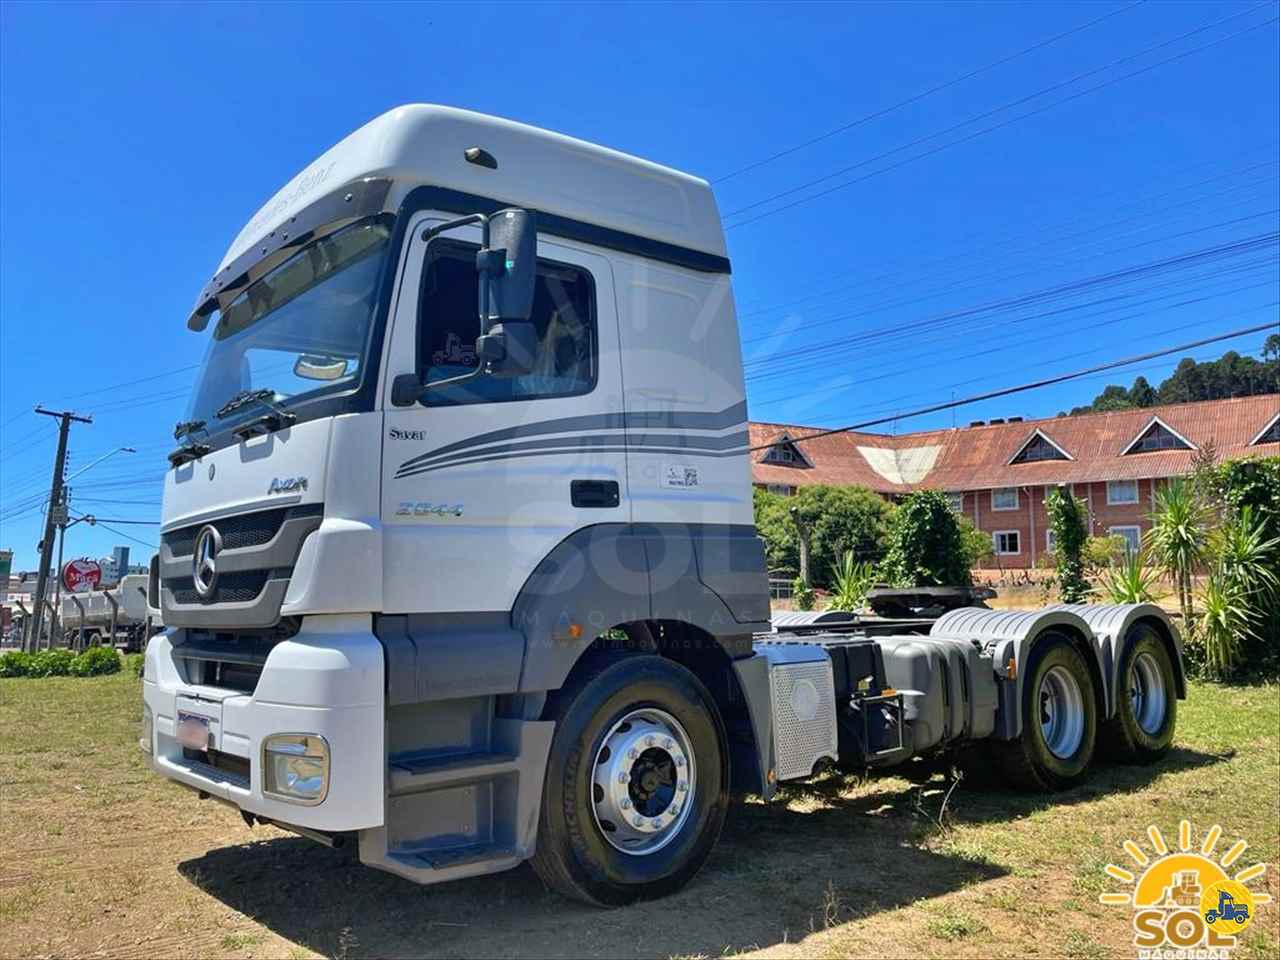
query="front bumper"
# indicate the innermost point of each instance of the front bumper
(326, 680)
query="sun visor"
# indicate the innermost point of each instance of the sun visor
(350, 202)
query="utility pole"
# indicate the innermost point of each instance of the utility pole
(53, 518)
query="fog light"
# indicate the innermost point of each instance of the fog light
(147, 739)
(295, 767)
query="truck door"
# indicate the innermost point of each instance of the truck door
(482, 478)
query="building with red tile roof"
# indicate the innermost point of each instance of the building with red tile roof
(998, 472)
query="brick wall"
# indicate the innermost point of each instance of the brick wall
(1031, 521)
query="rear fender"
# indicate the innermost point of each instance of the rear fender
(1113, 626)
(1010, 637)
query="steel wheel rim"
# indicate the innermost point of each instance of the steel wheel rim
(1148, 697)
(643, 781)
(1061, 712)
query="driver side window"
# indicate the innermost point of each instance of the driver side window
(564, 319)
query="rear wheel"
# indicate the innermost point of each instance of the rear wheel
(1059, 720)
(637, 784)
(1147, 711)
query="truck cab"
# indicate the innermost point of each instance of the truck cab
(457, 557)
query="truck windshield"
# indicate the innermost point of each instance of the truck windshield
(299, 330)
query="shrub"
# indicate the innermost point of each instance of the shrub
(926, 546)
(852, 582)
(1224, 622)
(96, 661)
(15, 663)
(1101, 553)
(1129, 581)
(135, 663)
(977, 544)
(1070, 530)
(51, 663)
(801, 594)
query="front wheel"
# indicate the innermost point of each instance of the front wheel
(1059, 720)
(637, 784)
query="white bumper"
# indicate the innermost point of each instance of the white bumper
(326, 680)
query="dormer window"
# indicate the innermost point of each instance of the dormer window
(1268, 434)
(1039, 447)
(1158, 435)
(785, 453)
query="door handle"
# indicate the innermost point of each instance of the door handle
(594, 493)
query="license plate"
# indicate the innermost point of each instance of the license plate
(193, 731)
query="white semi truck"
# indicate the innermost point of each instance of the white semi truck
(469, 615)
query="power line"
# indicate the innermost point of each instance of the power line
(993, 127)
(1022, 388)
(969, 278)
(957, 317)
(121, 533)
(926, 93)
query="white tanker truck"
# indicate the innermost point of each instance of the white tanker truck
(114, 617)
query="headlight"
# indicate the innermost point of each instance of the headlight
(295, 767)
(147, 739)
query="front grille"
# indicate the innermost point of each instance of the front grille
(228, 661)
(242, 530)
(229, 587)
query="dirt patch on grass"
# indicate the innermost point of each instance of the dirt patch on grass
(99, 857)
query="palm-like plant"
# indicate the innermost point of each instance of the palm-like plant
(1130, 581)
(1227, 617)
(1177, 538)
(852, 582)
(1249, 559)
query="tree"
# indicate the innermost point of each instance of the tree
(926, 545)
(1177, 538)
(1142, 393)
(1067, 520)
(836, 520)
(1231, 375)
(774, 526)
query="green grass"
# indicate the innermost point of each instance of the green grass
(101, 856)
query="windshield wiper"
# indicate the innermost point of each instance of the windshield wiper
(265, 397)
(191, 450)
(184, 427)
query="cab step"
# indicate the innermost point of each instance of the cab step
(496, 856)
(416, 773)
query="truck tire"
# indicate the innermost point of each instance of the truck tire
(1147, 708)
(1059, 720)
(637, 784)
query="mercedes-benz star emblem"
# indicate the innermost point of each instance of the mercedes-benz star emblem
(204, 565)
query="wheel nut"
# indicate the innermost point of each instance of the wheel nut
(626, 803)
(632, 753)
(679, 761)
(649, 741)
(683, 787)
(668, 743)
(639, 821)
(622, 778)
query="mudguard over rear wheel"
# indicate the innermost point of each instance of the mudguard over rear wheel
(637, 784)
(1059, 720)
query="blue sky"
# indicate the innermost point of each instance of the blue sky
(135, 141)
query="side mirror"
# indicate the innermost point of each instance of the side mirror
(508, 268)
(312, 367)
(509, 348)
(406, 388)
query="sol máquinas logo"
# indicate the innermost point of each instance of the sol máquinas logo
(1186, 906)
